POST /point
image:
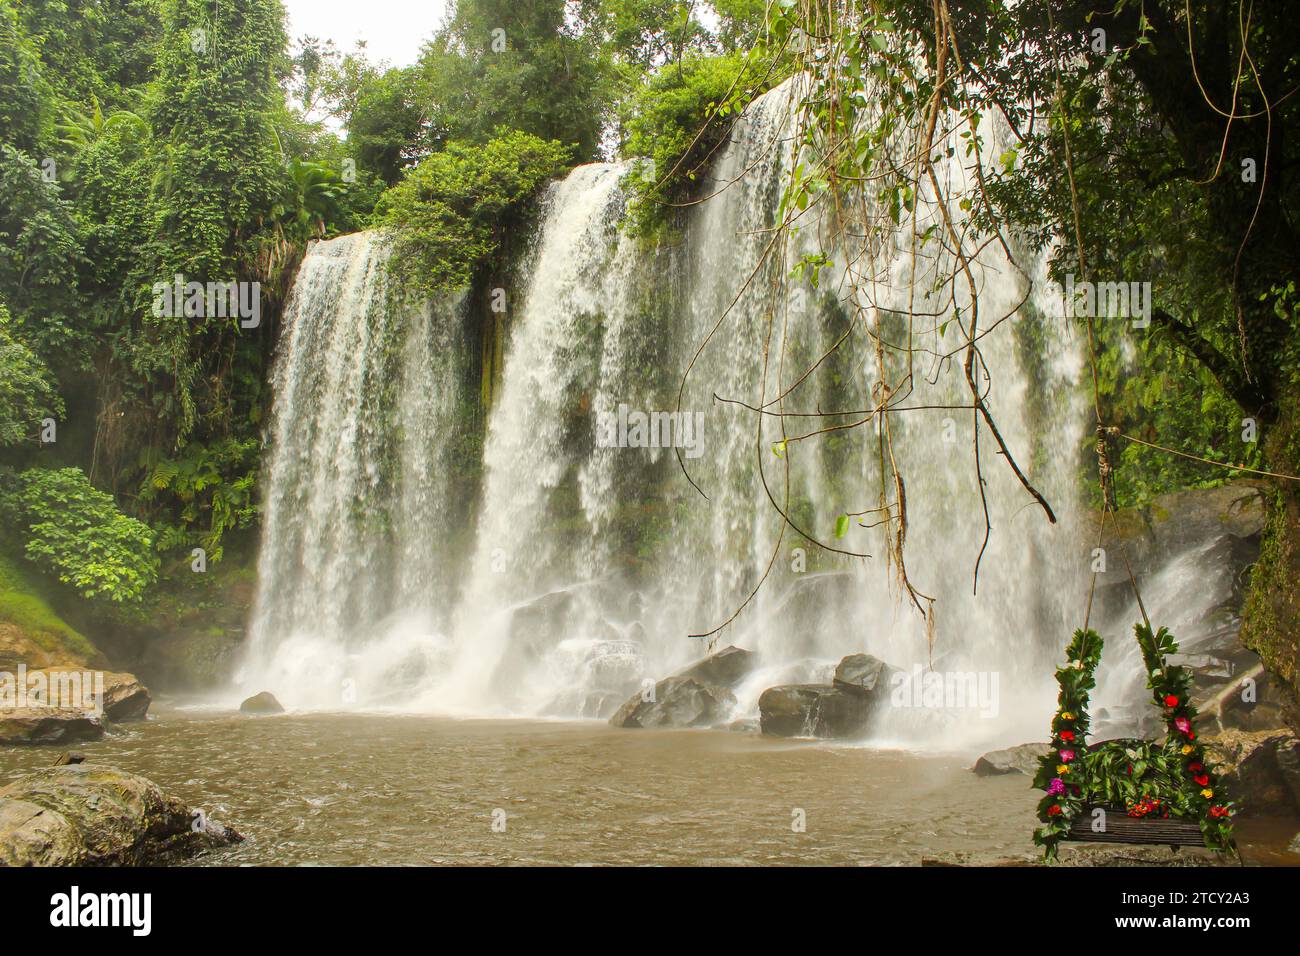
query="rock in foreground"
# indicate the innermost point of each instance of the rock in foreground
(44, 725)
(813, 710)
(87, 815)
(677, 702)
(263, 703)
(1020, 759)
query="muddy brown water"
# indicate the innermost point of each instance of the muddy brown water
(339, 789)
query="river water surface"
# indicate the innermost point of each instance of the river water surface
(341, 789)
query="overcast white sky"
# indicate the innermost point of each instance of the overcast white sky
(393, 29)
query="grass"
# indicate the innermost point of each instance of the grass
(22, 606)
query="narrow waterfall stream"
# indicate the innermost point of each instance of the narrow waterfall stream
(590, 565)
(357, 567)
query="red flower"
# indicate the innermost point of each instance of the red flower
(1067, 735)
(1195, 766)
(1217, 812)
(1202, 780)
(1171, 700)
(1054, 810)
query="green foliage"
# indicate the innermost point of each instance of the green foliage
(75, 532)
(446, 218)
(385, 122)
(1155, 391)
(40, 250)
(518, 64)
(23, 90)
(677, 120)
(215, 486)
(311, 200)
(94, 49)
(27, 392)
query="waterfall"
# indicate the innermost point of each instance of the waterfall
(593, 556)
(356, 574)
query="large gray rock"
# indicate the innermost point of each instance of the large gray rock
(864, 674)
(727, 668)
(813, 710)
(263, 703)
(125, 698)
(1019, 759)
(87, 815)
(677, 702)
(45, 725)
(1260, 770)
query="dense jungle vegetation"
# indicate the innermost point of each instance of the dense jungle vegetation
(145, 139)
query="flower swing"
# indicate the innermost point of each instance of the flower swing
(1128, 791)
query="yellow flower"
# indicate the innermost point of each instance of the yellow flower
(1187, 748)
(1066, 715)
(1062, 768)
(1207, 793)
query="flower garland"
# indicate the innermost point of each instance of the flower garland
(1171, 689)
(1061, 771)
(1072, 777)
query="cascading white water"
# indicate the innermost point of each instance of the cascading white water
(591, 563)
(356, 575)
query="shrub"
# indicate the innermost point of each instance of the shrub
(75, 532)
(445, 217)
(677, 120)
(27, 391)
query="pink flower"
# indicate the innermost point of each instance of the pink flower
(1057, 786)
(1183, 724)
(1067, 756)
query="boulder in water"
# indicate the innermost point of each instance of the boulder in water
(87, 815)
(1019, 759)
(1260, 770)
(125, 698)
(727, 668)
(47, 725)
(864, 674)
(813, 710)
(263, 703)
(676, 702)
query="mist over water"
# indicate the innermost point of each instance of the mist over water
(584, 567)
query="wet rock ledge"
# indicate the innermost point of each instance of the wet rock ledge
(86, 815)
(125, 700)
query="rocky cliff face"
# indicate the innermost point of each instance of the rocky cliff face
(1192, 554)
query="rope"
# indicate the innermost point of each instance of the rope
(1207, 461)
(1105, 471)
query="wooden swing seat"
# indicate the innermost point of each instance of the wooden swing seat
(1172, 832)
